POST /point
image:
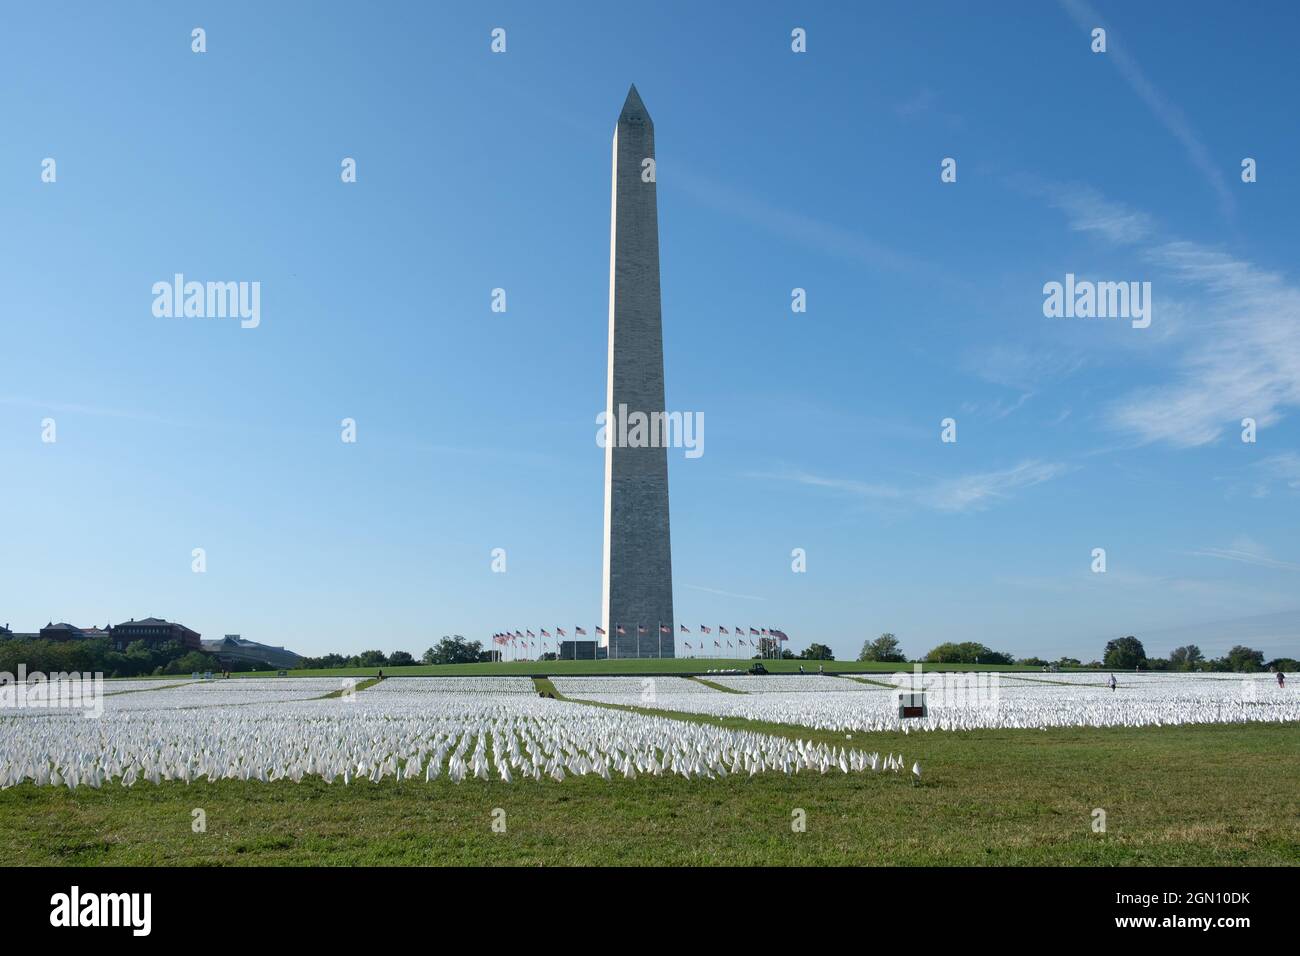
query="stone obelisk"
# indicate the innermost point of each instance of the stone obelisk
(637, 589)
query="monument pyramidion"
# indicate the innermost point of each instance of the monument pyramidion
(637, 585)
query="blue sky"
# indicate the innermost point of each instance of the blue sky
(475, 430)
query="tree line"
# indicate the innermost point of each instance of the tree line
(1122, 653)
(97, 656)
(452, 649)
(141, 659)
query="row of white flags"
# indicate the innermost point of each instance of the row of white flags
(527, 638)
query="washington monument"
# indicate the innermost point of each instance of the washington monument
(637, 587)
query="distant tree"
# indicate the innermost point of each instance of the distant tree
(429, 657)
(318, 663)
(1242, 658)
(454, 650)
(548, 656)
(1069, 662)
(1159, 664)
(189, 663)
(787, 654)
(1124, 653)
(400, 659)
(1185, 658)
(946, 653)
(817, 652)
(967, 652)
(885, 648)
(1032, 662)
(1283, 664)
(371, 659)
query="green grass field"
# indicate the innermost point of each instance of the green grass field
(1203, 795)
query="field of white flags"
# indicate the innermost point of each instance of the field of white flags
(420, 729)
(976, 701)
(498, 728)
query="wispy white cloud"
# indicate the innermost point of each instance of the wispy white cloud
(973, 492)
(799, 227)
(1089, 211)
(995, 409)
(926, 103)
(1284, 468)
(1022, 368)
(1245, 551)
(1169, 115)
(1237, 352)
(1241, 361)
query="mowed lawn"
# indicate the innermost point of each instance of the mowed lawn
(1204, 795)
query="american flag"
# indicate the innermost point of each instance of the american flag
(600, 631)
(740, 630)
(559, 632)
(716, 644)
(665, 629)
(619, 628)
(530, 633)
(640, 629)
(722, 630)
(545, 633)
(579, 632)
(728, 643)
(705, 629)
(752, 631)
(685, 629)
(686, 644)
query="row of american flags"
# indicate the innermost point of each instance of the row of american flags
(753, 638)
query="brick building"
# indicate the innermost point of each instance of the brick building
(154, 631)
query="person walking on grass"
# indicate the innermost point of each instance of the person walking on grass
(1113, 682)
(1281, 679)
